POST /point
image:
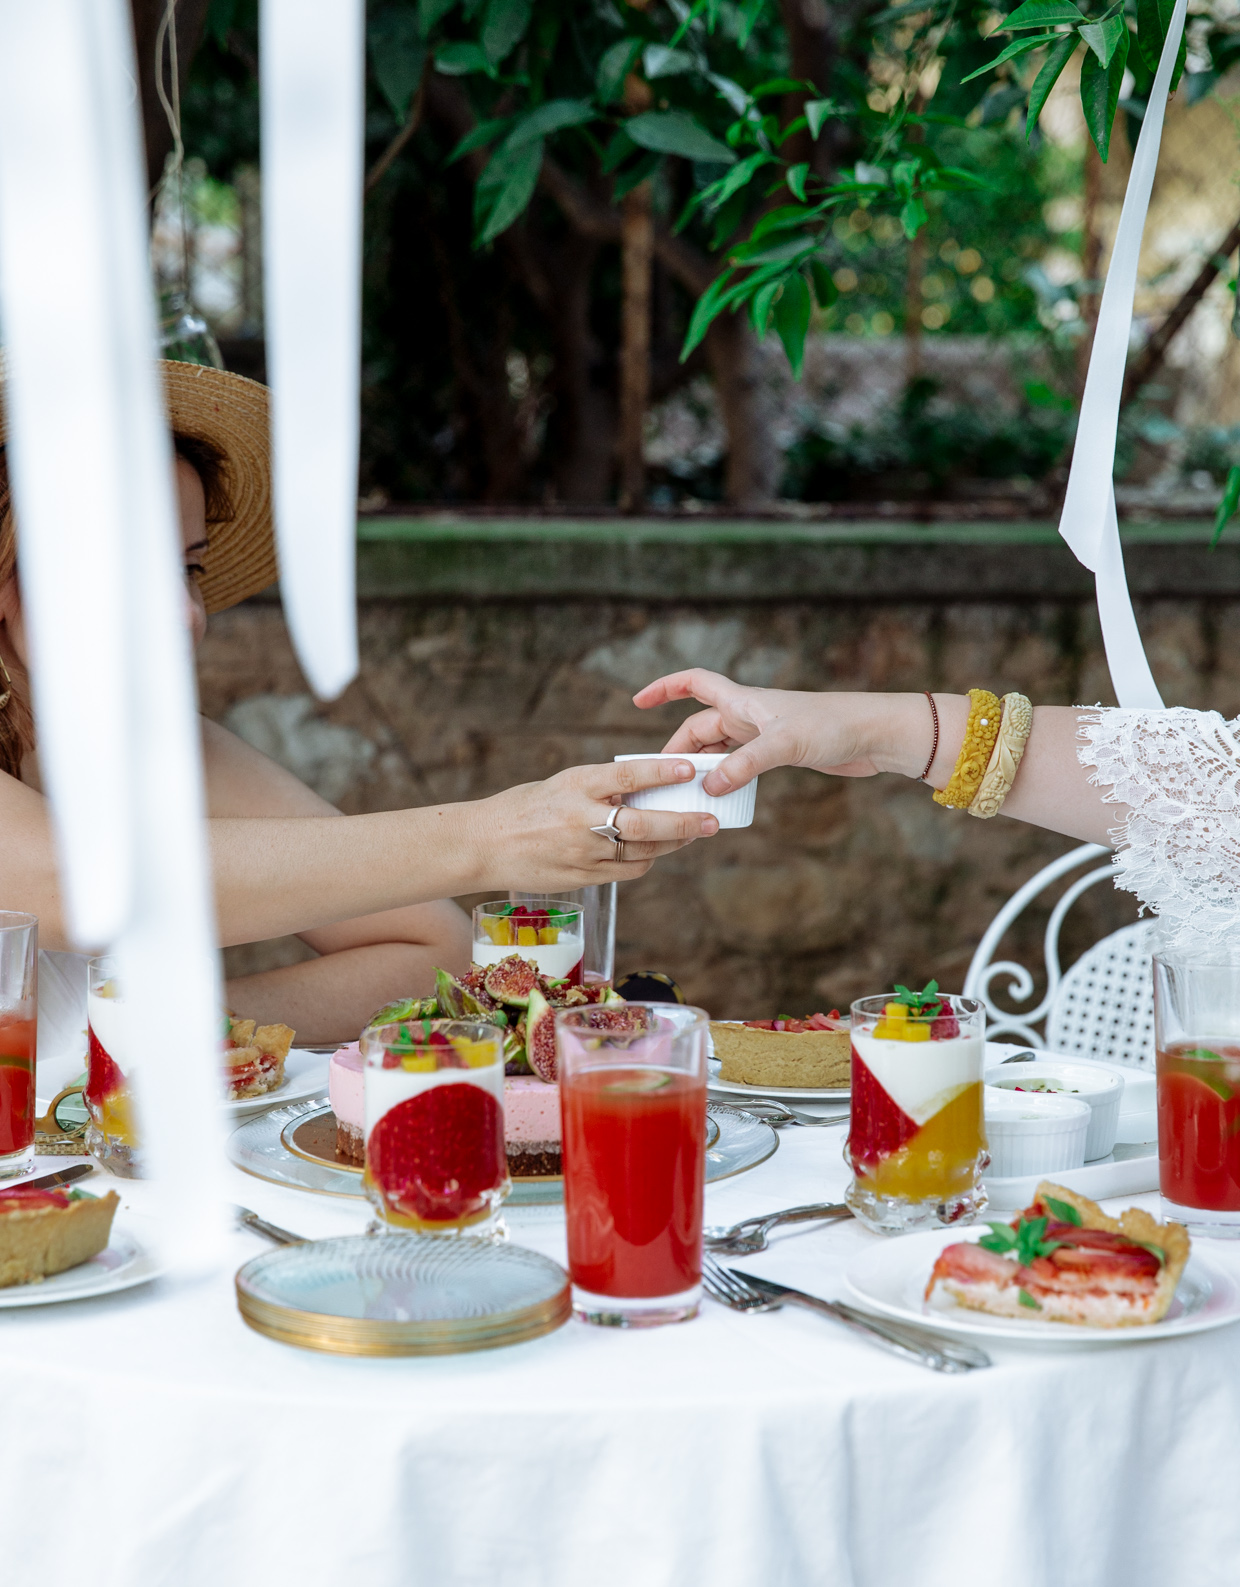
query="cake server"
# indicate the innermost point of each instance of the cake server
(62, 1176)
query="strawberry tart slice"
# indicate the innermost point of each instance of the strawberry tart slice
(1063, 1260)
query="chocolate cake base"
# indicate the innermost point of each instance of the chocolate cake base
(350, 1145)
(542, 1163)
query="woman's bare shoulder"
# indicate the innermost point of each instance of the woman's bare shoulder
(242, 781)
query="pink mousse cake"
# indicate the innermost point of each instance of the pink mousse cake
(346, 1087)
(532, 1127)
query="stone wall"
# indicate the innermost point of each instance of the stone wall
(841, 887)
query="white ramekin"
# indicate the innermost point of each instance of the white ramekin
(733, 809)
(1103, 1089)
(1034, 1134)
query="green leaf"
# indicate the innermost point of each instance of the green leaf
(503, 27)
(1153, 21)
(792, 310)
(674, 132)
(1017, 47)
(913, 217)
(738, 176)
(1000, 1240)
(817, 111)
(760, 306)
(795, 178)
(550, 117)
(722, 291)
(617, 152)
(659, 61)
(1201, 1055)
(458, 60)
(505, 189)
(1057, 57)
(613, 68)
(917, 1000)
(1026, 1299)
(485, 132)
(825, 289)
(1040, 14)
(1103, 37)
(1063, 1210)
(634, 175)
(430, 12)
(1100, 93)
(1154, 1250)
(750, 253)
(397, 54)
(1227, 507)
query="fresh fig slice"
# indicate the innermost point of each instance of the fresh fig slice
(512, 980)
(403, 1008)
(474, 982)
(540, 1038)
(569, 996)
(457, 1000)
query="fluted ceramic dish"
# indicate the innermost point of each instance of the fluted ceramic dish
(402, 1295)
(266, 1147)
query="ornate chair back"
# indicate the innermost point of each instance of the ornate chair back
(1103, 1007)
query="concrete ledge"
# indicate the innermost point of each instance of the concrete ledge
(511, 558)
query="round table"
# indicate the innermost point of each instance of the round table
(152, 1438)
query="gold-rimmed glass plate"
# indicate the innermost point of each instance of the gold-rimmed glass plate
(276, 1146)
(394, 1295)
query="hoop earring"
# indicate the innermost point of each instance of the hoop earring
(8, 685)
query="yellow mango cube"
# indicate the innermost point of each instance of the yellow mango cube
(549, 934)
(527, 936)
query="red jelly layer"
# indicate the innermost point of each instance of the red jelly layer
(878, 1127)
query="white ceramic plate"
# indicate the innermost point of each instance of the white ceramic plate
(305, 1075)
(892, 1279)
(125, 1262)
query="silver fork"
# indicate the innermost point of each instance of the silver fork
(777, 1113)
(750, 1234)
(736, 1291)
(272, 1231)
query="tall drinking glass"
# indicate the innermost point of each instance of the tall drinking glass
(633, 1104)
(434, 1109)
(112, 1136)
(598, 925)
(19, 1000)
(916, 1140)
(1197, 1035)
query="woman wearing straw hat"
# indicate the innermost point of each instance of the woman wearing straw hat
(369, 894)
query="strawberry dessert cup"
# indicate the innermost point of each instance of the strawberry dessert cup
(112, 1133)
(916, 1141)
(551, 937)
(434, 1126)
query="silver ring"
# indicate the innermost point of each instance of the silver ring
(617, 853)
(611, 830)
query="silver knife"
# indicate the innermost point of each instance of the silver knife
(902, 1338)
(62, 1176)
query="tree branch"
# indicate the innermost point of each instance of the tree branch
(391, 154)
(1155, 349)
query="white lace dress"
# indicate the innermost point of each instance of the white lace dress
(1178, 772)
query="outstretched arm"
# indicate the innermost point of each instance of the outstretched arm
(857, 735)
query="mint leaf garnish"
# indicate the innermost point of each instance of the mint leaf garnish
(1000, 1240)
(1026, 1299)
(1063, 1210)
(82, 1195)
(1206, 1054)
(1154, 1250)
(919, 1002)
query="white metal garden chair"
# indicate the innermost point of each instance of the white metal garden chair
(1103, 1007)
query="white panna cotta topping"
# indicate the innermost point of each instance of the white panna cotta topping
(554, 959)
(921, 1077)
(385, 1088)
(111, 1020)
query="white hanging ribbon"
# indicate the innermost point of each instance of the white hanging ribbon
(100, 556)
(313, 80)
(1088, 522)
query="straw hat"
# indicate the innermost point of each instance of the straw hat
(232, 413)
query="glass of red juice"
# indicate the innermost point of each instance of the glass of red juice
(632, 1082)
(19, 999)
(1197, 1035)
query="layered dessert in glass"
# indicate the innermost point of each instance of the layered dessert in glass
(112, 1133)
(917, 1141)
(434, 1125)
(551, 937)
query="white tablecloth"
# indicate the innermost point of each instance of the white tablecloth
(152, 1438)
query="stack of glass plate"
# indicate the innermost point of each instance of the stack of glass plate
(403, 1295)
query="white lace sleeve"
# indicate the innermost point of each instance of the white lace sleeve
(1178, 772)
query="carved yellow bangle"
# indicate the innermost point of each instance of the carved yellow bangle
(981, 731)
(1014, 726)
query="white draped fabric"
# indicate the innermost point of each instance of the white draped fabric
(100, 561)
(1088, 522)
